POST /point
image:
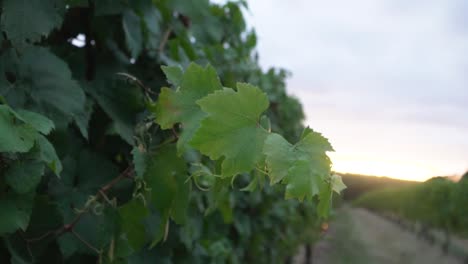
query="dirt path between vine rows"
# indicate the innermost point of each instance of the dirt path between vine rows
(361, 237)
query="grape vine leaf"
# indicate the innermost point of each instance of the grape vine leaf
(174, 74)
(48, 155)
(132, 215)
(152, 19)
(325, 199)
(337, 183)
(166, 175)
(180, 106)
(16, 136)
(205, 27)
(134, 37)
(302, 167)
(24, 176)
(109, 7)
(15, 211)
(120, 104)
(140, 160)
(303, 181)
(29, 20)
(232, 129)
(82, 119)
(219, 198)
(51, 90)
(20, 132)
(37, 121)
(333, 184)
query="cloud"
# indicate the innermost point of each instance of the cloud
(354, 63)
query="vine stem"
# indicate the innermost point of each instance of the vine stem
(165, 39)
(136, 81)
(174, 132)
(262, 171)
(32, 240)
(165, 142)
(69, 227)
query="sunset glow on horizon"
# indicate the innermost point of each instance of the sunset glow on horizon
(372, 166)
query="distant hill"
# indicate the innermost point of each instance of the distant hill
(465, 176)
(360, 184)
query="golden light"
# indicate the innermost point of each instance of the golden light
(366, 165)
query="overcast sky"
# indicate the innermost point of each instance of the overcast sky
(385, 80)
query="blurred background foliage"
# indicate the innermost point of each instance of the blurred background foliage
(59, 59)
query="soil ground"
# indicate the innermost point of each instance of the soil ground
(357, 236)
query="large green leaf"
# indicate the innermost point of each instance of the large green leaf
(52, 88)
(232, 129)
(180, 106)
(92, 172)
(82, 119)
(29, 20)
(37, 121)
(15, 135)
(166, 175)
(152, 19)
(15, 211)
(19, 136)
(48, 90)
(109, 7)
(330, 185)
(120, 102)
(48, 155)
(133, 213)
(303, 167)
(205, 26)
(174, 74)
(24, 176)
(132, 27)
